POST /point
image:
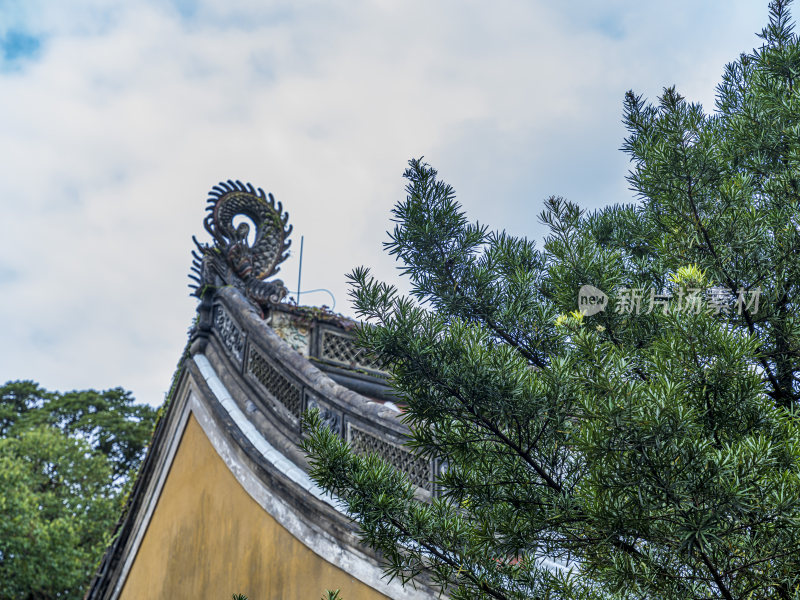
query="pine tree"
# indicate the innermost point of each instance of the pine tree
(647, 450)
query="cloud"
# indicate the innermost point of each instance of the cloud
(119, 117)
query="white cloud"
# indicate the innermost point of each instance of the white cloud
(116, 130)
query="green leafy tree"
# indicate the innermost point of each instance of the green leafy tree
(633, 453)
(110, 421)
(65, 460)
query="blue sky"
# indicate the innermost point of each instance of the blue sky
(117, 118)
(16, 46)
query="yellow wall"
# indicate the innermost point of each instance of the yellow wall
(209, 539)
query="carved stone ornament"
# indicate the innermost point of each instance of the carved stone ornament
(230, 334)
(330, 418)
(293, 331)
(232, 259)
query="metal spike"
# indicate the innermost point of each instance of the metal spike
(250, 188)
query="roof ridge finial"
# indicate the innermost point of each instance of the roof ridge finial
(232, 260)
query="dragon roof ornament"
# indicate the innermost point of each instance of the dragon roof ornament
(232, 259)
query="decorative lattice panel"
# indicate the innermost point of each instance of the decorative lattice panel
(418, 469)
(339, 348)
(280, 387)
(230, 334)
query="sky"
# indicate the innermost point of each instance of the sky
(117, 118)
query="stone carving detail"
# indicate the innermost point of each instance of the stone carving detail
(232, 259)
(329, 417)
(279, 387)
(418, 469)
(292, 331)
(230, 334)
(339, 348)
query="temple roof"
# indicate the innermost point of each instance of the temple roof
(254, 363)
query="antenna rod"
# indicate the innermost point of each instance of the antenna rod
(300, 270)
